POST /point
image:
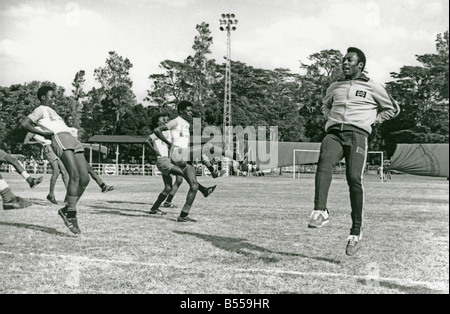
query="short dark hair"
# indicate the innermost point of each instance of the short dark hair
(182, 105)
(155, 119)
(360, 54)
(43, 90)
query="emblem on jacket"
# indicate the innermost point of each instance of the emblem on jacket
(361, 93)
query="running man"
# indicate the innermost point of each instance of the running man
(103, 186)
(166, 167)
(66, 147)
(5, 157)
(55, 162)
(180, 152)
(351, 106)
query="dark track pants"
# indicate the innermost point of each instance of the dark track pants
(353, 147)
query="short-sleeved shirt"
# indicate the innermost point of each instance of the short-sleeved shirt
(48, 119)
(179, 129)
(73, 131)
(40, 138)
(160, 146)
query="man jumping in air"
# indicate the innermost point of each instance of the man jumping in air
(66, 147)
(351, 106)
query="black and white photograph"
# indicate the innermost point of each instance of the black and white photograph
(224, 155)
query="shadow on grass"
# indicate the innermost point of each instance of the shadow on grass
(118, 213)
(37, 228)
(241, 246)
(118, 209)
(122, 202)
(405, 289)
(37, 201)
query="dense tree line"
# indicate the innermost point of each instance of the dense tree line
(260, 97)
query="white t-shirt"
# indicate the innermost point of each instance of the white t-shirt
(74, 132)
(179, 129)
(40, 138)
(48, 119)
(160, 146)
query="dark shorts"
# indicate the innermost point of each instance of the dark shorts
(3, 154)
(49, 154)
(65, 141)
(164, 165)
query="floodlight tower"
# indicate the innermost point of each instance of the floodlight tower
(228, 24)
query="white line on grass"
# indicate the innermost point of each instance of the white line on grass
(442, 286)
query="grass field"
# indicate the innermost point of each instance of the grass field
(251, 237)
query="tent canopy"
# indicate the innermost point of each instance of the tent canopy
(421, 159)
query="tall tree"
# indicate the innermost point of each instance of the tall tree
(323, 69)
(78, 85)
(190, 79)
(135, 122)
(116, 87)
(172, 86)
(78, 95)
(422, 93)
(92, 120)
(203, 69)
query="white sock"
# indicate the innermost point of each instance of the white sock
(25, 175)
(3, 184)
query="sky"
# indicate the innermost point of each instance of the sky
(54, 39)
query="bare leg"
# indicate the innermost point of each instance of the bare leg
(162, 196)
(180, 173)
(96, 177)
(75, 165)
(191, 179)
(178, 182)
(94, 174)
(84, 172)
(64, 174)
(10, 201)
(20, 170)
(54, 178)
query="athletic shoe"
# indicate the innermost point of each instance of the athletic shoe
(218, 173)
(157, 212)
(319, 218)
(52, 199)
(209, 191)
(16, 203)
(107, 188)
(34, 181)
(353, 245)
(186, 219)
(169, 205)
(70, 223)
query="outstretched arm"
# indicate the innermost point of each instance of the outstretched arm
(30, 139)
(159, 133)
(28, 125)
(150, 143)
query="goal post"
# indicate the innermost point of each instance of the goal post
(294, 172)
(381, 163)
(301, 150)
